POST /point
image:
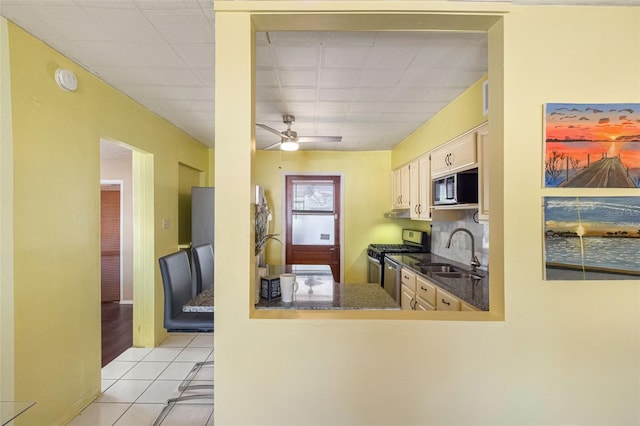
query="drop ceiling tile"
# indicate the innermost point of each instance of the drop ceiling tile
(269, 94)
(206, 76)
(73, 22)
(345, 57)
(181, 25)
(473, 59)
(167, 4)
(200, 105)
(107, 4)
(437, 57)
(297, 95)
(366, 39)
(332, 107)
(124, 24)
(308, 108)
(336, 94)
(295, 78)
(145, 93)
(148, 76)
(335, 78)
(390, 57)
(381, 78)
(364, 107)
(21, 16)
(191, 93)
(371, 94)
(197, 55)
(296, 57)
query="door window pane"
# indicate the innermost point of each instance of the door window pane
(313, 229)
(313, 195)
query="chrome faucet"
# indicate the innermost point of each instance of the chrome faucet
(474, 260)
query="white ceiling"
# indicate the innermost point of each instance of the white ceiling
(373, 89)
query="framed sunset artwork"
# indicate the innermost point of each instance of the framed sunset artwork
(592, 145)
(591, 238)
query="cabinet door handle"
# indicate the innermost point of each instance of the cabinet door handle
(423, 289)
(446, 303)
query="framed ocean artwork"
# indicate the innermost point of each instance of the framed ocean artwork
(592, 238)
(592, 145)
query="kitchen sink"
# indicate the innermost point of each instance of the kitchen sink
(458, 275)
(436, 267)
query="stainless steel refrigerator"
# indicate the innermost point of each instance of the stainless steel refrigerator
(202, 215)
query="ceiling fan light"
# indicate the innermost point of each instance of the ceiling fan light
(289, 146)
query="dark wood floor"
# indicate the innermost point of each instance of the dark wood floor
(117, 330)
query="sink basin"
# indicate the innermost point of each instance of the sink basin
(436, 267)
(458, 275)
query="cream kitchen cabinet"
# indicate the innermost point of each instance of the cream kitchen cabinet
(420, 188)
(446, 301)
(407, 289)
(421, 305)
(407, 299)
(400, 194)
(483, 173)
(457, 154)
(425, 291)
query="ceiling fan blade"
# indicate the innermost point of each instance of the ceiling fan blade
(272, 146)
(319, 139)
(272, 130)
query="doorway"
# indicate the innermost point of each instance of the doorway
(116, 249)
(313, 207)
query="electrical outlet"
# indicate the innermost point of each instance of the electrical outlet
(165, 223)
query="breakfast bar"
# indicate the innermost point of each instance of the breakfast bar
(318, 291)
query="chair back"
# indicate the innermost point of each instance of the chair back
(203, 262)
(176, 280)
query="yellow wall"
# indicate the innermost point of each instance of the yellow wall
(565, 353)
(367, 187)
(56, 138)
(6, 222)
(462, 114)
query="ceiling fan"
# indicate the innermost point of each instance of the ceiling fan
(289, 139)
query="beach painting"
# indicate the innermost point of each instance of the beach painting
(592, 145)
(592, 238)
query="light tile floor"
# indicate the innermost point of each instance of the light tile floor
(137, 384)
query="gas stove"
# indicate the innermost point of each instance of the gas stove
(412, 242)
(377, 251)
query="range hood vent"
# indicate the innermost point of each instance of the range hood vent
(398, 214)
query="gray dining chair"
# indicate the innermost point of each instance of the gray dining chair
(177, 283)
(203, 266)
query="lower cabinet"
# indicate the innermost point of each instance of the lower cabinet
(446, 301)
(407, 298)
(407, 289)
(420, 294)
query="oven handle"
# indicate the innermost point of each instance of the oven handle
(374, 260)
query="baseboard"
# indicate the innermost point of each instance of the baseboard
(126, 302)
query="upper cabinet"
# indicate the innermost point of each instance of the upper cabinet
(401, 192)
(413, 182)
(457, 154)
(420, 188)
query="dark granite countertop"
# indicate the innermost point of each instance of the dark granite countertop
(475, 293)
(317, 290)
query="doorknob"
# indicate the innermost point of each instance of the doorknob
(332, 249)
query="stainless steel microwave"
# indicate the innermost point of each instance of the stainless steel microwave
(457, 188)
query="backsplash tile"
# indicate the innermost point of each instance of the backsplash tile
(460, 250)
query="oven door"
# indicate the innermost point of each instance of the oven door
(374, 269)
